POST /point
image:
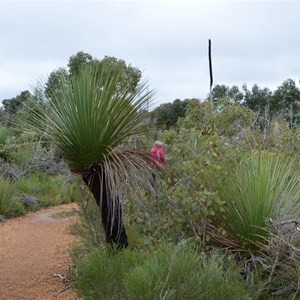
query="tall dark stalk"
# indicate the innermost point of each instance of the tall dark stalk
(111, 209)
(210, 71)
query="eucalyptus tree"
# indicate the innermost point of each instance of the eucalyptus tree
(286, 102)
(220, 92)
(3, 117)
(13, 107)
(235, 94)
(128, 79)
(167, 114)
(88, 121)
(257, 99)
(55, 80)
(77, 61)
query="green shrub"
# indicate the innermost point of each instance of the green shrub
(257, 187)
(89, 228)
(19, 149)
(9, 206)
(182, 273)
(182, 201)
(22, 158)
(49, 189)
(100, 275)
(162, 272)
(4, 134)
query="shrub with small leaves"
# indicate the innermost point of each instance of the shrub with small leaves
(9, 205)
(161, 272)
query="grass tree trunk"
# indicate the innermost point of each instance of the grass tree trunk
(111, 210)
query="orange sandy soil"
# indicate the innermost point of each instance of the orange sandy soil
(34, 255)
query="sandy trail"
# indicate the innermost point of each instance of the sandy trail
(34, 252)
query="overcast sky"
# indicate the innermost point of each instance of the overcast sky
(252, 42)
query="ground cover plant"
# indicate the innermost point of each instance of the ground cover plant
(48, 189)
(19, 149)
(32, 176)
(161, 272)
(4, 134)
(40, 189)
(9, 205)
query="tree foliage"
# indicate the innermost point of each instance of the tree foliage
(166, 115)
(128, 79)
(12, 107)
(55, 80)
(257, 99)
(87, 120)
(286, 102)
(225, 92)
(129, 76)
(79, 60)
(283, 102)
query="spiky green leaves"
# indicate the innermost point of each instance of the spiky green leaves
(88, 117)
(256, 187)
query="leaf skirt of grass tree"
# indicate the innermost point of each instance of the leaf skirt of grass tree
(88, 118)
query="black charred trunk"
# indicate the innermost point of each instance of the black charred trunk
(111, 214)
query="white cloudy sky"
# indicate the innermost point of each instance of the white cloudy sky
(252, 41)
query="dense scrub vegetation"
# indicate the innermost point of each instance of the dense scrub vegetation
(231, 188)
(222, 221)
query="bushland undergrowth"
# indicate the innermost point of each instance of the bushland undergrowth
(193, 238)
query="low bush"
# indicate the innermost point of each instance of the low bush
(4, 134)
(161, 272)
(19, 149)
(9, 205)
(49, 189)
(259, 186)
(183, 273)
(89, 228)
(101, 274)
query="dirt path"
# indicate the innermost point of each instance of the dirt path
(34, 252)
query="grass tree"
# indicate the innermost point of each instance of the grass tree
(88, 120)
(257, 188)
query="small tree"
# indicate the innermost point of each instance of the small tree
(167, 114)
(13, 106)
(286, 102)
(87, 120)
(129, 77)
